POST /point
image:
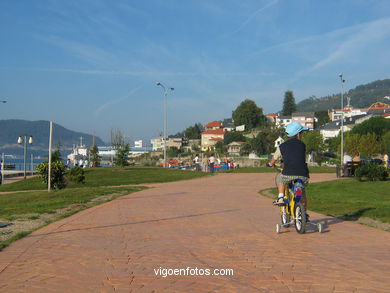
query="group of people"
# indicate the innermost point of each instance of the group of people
(208, 164)
(80, 163)
(356, 159)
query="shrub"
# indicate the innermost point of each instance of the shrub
(372, 172)
(57, 179)
(76, 174)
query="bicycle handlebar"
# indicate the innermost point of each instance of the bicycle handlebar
(275, 167)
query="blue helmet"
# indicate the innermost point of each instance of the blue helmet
(294, 128)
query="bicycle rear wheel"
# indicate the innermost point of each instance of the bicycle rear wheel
(300, 218)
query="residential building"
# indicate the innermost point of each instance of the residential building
(282, 121)
(213, 125)
(157, 143)
(272, 117)
(333, 128)
(138, 143)
(307, 119)
(240, 127)
(176, 142)
(213, 133)
(349, 111)
(234, 148)
(228, 124)
(377, 108)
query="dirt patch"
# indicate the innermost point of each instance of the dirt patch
(374, 223)
(268, 193)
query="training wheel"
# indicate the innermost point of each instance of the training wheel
(277, 228)
(320, 228)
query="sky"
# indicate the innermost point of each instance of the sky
(92, 65)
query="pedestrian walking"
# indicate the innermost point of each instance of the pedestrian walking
(196, 163)
(211, 162)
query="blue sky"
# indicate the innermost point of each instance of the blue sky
(91, 65)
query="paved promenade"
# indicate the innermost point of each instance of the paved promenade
(220, 222)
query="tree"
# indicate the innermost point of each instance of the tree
(246, 149)
(322, 117)
(173, 152)
(378, 125)
(352, 143)
(369, 145)
(95, 158)
(57, 174)
(314, 141)
(219, 147)
(289, 105)
(234, 136)
(192, 132)
(264, 142)
(122, 156)
(121, 148)
(385, 142)
(249, 114)
(56, 156)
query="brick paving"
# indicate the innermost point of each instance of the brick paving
(216, 222)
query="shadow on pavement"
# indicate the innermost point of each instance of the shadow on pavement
(139, 222)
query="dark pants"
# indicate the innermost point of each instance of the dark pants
(211, 167)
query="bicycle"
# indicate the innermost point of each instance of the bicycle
(292, 210)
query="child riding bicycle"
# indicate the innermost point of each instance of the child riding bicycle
(293, 153)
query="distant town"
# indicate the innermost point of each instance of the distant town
(218, 136)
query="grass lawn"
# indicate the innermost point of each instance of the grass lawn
(349, 199)
(106, 176)
(322, 169)
(39, 202)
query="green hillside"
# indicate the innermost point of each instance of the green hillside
(12, 128)
(361, 96)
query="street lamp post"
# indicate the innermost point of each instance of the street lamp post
(30, 141)
(342, 117)
(165, 119)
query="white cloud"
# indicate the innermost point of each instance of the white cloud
(88, 53)
(253, 15)
(349, 43)
(116, 101)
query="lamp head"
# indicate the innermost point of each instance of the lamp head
(19, 140)
(30, 141)
(158, 83)
(172, 88)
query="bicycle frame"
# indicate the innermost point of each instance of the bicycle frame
(292, 211)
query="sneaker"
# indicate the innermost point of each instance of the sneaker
(278, 201)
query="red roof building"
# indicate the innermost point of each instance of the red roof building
(213, 133)
(213, 125)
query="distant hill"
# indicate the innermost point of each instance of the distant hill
(12, 128)
(361, 96)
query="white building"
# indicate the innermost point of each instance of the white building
(307, 119)
(157, 143)
(138, 144)
(333, 128)
(240, 127)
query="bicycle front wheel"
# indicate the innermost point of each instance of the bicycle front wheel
(300, 218)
